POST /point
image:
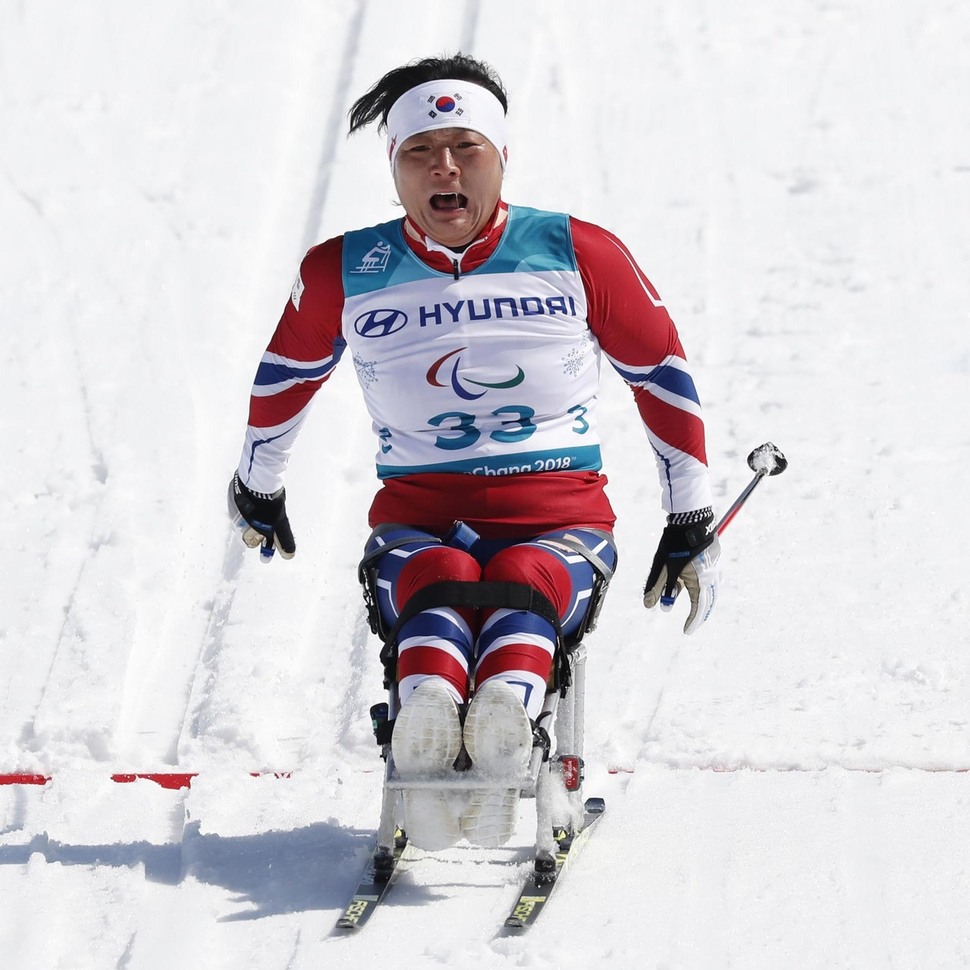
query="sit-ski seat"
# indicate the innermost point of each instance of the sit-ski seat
(554, 775)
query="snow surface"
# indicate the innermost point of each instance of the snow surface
(789, 785)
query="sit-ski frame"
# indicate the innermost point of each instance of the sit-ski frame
(557, 791)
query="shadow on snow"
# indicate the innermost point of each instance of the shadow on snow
(311, 868)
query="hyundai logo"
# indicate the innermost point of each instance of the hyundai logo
(380, 323)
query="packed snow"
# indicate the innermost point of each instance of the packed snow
(789, 787)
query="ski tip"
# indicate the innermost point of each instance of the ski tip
(595, 805)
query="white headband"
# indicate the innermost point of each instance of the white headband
(446, 104)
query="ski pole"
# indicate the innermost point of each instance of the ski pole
(764, 461)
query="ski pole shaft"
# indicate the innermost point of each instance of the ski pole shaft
(764, 461)
(728, 516)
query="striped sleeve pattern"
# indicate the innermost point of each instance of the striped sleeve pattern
(304, 350)
(640, 340)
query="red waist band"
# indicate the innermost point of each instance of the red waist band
(496, 507)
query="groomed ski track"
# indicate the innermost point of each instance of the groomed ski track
(787, 788)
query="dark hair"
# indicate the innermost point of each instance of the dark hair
(377, 102)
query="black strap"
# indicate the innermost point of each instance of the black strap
(367, 568)
(476, 595)
(371, 557)
(580, 548)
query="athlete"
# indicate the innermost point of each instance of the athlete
(476, 329)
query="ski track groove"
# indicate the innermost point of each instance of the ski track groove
(333, 130)
(198, 689)
(99, 470)
(125, 959)
(469, 25)
(295, 951)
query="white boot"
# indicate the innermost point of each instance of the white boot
(424, 746)
(498, 739)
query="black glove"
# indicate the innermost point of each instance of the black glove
(687, 556)
(261, 520)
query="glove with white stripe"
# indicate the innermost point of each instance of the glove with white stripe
(688, 558)
(261, 520)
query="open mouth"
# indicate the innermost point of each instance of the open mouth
(448, 201)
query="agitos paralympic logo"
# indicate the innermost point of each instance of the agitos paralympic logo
(439, 369)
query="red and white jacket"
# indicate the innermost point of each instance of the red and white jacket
(480, 371)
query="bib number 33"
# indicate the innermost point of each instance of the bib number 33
(462, 432)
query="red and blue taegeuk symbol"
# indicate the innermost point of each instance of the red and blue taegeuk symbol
(445, 103)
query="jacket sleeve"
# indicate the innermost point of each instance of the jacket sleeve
(636, 333)
(301, 356)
